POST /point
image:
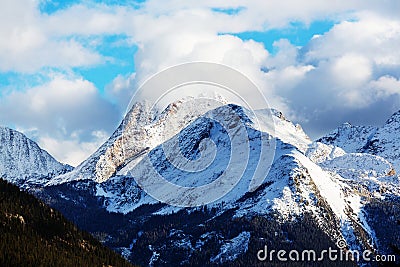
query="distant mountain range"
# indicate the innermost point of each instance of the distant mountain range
(342, 187)
(381, 141)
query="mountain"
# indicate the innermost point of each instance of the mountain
(24, 163)
(349, 137)
(282, 189)
(313, 195)
(149, 147)
(145, 127)
(381, 141)
(33, 234)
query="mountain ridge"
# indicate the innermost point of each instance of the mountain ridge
(23, 162)
(380, 141)
(341, 190)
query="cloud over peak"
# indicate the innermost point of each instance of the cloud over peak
(348, 69)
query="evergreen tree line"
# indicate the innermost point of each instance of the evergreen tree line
(33, 234)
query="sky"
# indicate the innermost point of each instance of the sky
(69, 68)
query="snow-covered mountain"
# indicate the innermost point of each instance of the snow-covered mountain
(381, 141)
(349, 137)
(344, 186)
(338, 190)
(24, 163)
(145, 127)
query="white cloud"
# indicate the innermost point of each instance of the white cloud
(354, 65)
(72, 149)
(74, 101)
(386, 86)
(31, 40)
(350, 57)
(287, 78)
(64, 108)
(354, 74)
(121, 90)
(286, 55)
(263, 15)
(248, 57)
(334, 72)
(27, 45)
(371, 35)
(98, 19)
(357, 70)
(350, 74)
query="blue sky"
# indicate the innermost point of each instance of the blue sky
(298, 34)
(121, 63)
(69, 68)
(121, 54)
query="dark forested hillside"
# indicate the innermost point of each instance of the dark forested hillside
(33, 234)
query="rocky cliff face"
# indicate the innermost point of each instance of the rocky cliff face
(143, 128)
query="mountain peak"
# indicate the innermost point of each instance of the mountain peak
(381, 141)
(144, 127)
(395, 118)
(346, 125)
(22, 161)
(192, 144)
(349, 137)
(279, 114)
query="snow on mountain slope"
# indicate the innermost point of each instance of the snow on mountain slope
(283, 128)
(385, 142)
(145, 127)
(333, 185)
(298, 186)
(348, 197)
(374, 172)
(191, 138)
(381, 141)
(350, 165)
(166, 160)
(295, 184)
(232, 249)
(364, 179)
(319, 152)
(359, 165)
(23, 162)
(123, 194)
(349, 137)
